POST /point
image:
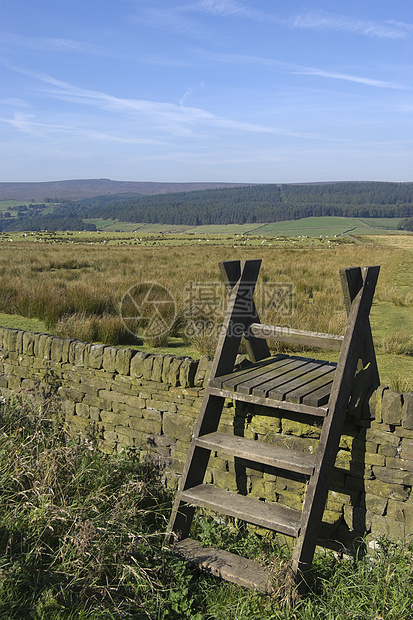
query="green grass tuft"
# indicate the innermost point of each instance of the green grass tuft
(82, 536)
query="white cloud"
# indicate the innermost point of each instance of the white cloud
(147, 116)
(324, 20)
(27, 124)
(292, 68)
(350, 78)
(228, 7)
(51, 44)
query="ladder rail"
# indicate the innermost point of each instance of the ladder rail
(308, 391)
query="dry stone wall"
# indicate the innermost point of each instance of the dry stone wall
(120, 398)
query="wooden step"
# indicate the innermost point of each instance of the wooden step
(247, 573)
(265, 514)
(319, 410)
(258, 451)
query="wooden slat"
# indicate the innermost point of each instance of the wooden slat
(295, 371)
(271, 516)
(283, 367)
(247, 573)
(259, 452)
(297, 336)
(297, 388)
(245, 373)
(320, 411)
(321, 396)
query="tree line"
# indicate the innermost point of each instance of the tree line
(257, 203)
(236, 205)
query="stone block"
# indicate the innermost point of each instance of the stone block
(397, 463)
(375, 459)
(136, 364)
(402, 513)
(95, 356)
(94, 414)
(114, 418)
(174, 371)
(70, 394)
(28, 343)
(11, 340)
(150, 414)
(355, 518)
(407, 411)
(202, 371)
(393, 476)
(56, 349)
(134, 401)
(82, 410)
(28, 384)
(147, 367)
(178, 426)
(167, 359)
(110, 436)
(375, 403)
(157, 367)
(123, 360)
(45, 346)
(376, 505)
(160, 405)
(383, 526)
(299, 429)
(152, 427)
(109, 359)
(386, 490)
(382, 437)
(391, 407)
(110, 395)
(224, 480)
(126, 439)
(407, 449)
(130, 411)
(187, 372)
(388, 450)
(95, 401)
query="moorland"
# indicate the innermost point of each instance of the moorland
(72, 284)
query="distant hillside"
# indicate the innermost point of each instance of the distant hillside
(87, 188)
(222, 205)
(255, 203)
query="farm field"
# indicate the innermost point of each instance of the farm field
(311, 226)
(78, 294)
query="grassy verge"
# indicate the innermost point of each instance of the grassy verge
(81, 536)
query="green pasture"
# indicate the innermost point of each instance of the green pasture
(389, 223)
(330, 226)
(308, 226)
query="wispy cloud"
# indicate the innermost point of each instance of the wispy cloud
(153, 116)
(228, 7)
(324, 20)
(304, 70)
(51, 44)
(27, 124)
(350, 78)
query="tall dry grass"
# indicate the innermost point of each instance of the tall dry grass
(77, 290)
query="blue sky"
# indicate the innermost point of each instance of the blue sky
(260, 91)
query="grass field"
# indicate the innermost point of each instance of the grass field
(82, 536)
(311, 226)
(78, 294)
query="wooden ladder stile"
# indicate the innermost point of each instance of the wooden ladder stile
(292, 383)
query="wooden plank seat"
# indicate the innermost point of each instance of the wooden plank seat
(288, 378)
(290, 383)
